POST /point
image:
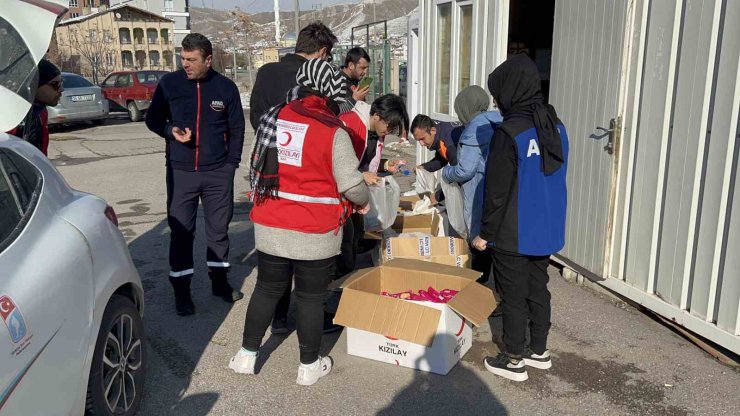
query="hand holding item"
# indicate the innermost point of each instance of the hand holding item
(360, 94)
(393, 166)
(182, 136)
(371, 178)
(479, 243)
(364, 210)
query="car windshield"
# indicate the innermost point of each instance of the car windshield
(75, 81)
(149, 77)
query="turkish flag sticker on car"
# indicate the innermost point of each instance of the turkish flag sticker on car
(13, 319)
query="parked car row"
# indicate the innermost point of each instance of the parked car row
(81, 101)
(131, 91)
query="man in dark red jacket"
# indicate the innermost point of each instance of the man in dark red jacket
(199, 112)
(34, 128)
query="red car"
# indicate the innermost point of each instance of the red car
(131, 91)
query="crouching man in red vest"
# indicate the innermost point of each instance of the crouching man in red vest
(304, 180)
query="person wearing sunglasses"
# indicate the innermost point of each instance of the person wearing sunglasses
(34, 127)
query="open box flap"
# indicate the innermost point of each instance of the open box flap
(393, 318)
(348, 279)
(475, 303)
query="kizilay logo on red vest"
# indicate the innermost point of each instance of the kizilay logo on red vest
(290, 139)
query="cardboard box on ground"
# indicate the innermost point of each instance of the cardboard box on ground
(421, 237)
(425, 336)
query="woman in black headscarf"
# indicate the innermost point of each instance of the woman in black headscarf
(524, 212)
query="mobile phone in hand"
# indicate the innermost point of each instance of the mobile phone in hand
(365, 82)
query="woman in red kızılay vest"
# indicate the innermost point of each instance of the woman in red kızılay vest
(304, 179)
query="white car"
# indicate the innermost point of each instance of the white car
(71, 300)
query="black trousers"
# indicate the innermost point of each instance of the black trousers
(274, 275)
(525, 300)
(346, 260)
(215, 190)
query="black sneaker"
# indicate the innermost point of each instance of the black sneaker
(541, 361)
(279, 326)
(329, 325)
(184, 305)
(505, 366)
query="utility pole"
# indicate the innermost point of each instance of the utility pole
(277, 21)
(233, 53)
(297, 18)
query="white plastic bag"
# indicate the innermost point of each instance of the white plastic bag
(426, 182)
(384, 199)
(454, 207)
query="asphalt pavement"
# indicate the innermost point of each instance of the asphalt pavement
(609, 358)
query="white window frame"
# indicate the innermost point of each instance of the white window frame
(73, 3)
(457, 36)
(456, 15)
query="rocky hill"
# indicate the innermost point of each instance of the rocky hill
(217, 24)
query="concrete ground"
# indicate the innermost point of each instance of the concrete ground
(609, 359)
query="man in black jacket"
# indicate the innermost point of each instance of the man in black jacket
(199, 113)
(275, 79)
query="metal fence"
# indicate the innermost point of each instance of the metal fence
(374, 41)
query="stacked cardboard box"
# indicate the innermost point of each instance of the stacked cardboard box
(421, 335)
(444, 250)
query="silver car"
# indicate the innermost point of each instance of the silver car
(71, 300)
(81, 101)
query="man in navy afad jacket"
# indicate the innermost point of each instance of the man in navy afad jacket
(199, 113)
(524, 212)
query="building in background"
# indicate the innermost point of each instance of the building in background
(653, 195)
(288, 40)
(274, 54)
(79, 8)
(113, 39)
(176, 10)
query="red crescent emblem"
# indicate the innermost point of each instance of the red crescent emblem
(287, 141)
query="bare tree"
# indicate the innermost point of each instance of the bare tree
(95, 47)
(241, 30)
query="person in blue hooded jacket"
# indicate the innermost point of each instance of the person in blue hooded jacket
(471, 106)
(524, 213)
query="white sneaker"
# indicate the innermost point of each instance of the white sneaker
(543, 362)
(311, 373)
(242, 363)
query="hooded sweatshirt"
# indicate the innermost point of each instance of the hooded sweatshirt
(526, 195)
(471, 106)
